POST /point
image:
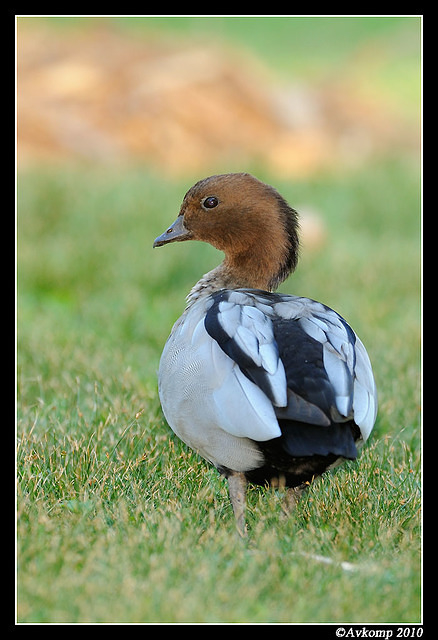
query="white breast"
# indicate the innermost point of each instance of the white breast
(199, 393)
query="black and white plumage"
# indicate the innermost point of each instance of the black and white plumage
(318, 392)
(268, 387)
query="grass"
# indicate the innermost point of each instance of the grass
(117, 520)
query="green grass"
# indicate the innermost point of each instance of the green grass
(117, 520)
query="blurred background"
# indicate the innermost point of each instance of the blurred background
(186, 94)
(119, 116)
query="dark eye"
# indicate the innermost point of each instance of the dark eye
(210, 202)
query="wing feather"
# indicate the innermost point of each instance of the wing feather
(293, 359)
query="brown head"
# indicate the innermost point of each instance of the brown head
(246, 219)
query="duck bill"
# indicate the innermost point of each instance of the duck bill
(175, 233)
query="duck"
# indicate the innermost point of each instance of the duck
(272, 389)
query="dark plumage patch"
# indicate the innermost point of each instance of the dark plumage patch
(296, 472)
(302, 358)
(300, 439)
(285, 458)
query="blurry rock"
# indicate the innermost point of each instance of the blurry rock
(104, 96)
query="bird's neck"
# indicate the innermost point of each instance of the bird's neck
(229, 276)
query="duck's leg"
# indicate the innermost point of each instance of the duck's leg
(293, 496)
(237, 491)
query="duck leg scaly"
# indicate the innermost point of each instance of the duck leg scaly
(293, 496)
(237, 491)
